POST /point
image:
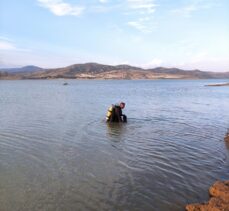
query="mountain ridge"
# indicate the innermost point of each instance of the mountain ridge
(102, 71)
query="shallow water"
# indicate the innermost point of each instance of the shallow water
(57, 153)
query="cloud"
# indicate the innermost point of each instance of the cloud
(61, 8)
(200, 56)
(186, 11)
(143, 11)
(144, 6)
(144, 24)
(194, 6)
(6, 45)
(5, 38)
(103, 1)
(153, 63)
(136, 25)
(213, 63)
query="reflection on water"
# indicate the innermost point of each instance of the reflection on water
(116, 130)
(57, 152)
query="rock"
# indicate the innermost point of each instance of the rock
(220, 190)
(227, 137)
(219, 199)
(214, 204)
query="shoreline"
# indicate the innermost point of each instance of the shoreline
(115, 78)
(224, 84)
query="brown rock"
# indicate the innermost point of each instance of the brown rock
(221, 190)
(227, 137)
(219, 201)
(196, 207)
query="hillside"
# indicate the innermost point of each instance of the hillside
(100, 71)
(29, 68)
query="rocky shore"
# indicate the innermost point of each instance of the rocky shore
(219, 200)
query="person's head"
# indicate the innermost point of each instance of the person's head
(122, 105)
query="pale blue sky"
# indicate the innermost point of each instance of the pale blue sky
(189, 34)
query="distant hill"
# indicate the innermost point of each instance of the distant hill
(29, 68)
(100, 71)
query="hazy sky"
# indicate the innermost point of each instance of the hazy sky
(188, 34)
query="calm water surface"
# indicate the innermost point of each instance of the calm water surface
(57, 153)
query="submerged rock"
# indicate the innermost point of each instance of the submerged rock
(219, 201)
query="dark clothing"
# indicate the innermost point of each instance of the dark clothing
(117, 115)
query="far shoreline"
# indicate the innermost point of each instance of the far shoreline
(224, 84)
(116, 79)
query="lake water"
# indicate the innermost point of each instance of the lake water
(57, 152)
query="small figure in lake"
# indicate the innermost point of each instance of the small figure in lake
(114, 113)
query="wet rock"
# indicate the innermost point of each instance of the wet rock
(227, 137)
(219, 201)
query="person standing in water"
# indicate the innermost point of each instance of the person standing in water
(114, 113)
